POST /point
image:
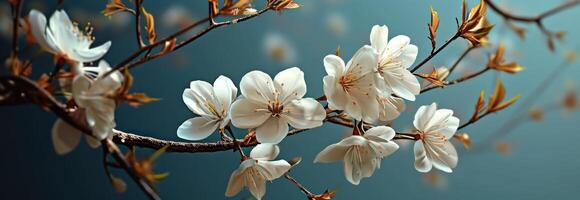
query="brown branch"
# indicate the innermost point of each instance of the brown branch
(433, 54)
(308, 194)
(16, 9)
(126, 64)
(456, 81)
(23, 87)
(138, 4)
(531, 19)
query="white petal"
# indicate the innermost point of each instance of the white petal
(235, 184)
(273, 130)
(383, 149)
(423, 115)
(257, 86)
(334, 65)
(65, 138)
(403, 83)
(89, 55)
(38, 29)
(246, 113)
(397, 45)
(443, 122)
(390, 107)
(93, 143)
(273, 169)
(385, 133)
(197, 128)
(335, 95)
(422, 163)
(291, 85)
(102, 112)
(80, 85)
(304, 113)
(379, 37)
(198, 96)
(256, 185)
(409, 56)
(444, 157)
(364, 61)
(265, 152)
(225, 92)
(331, 153)
(62, 30)
(358, 165)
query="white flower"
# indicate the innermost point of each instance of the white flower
(435, 128)
(395, 56)
(351, 88)
(390, 106)
(269, 106)
(256, 170)
(91, 96)
(63, 38)
(361, 155)
(212, 104)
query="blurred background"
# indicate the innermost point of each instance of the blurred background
(538, 160)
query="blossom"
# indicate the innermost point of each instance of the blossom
(270, 105)
(395, 56)
(390, 107)
(64, 39)
(435, 128)
(361, 155)
(95, 106)
(256, 170)
(351, 87)
(211, 103)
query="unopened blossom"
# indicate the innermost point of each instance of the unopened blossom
(64, 39)
(433, 149)
(395, 57)
(92, 95)
(211, 103)
(351, 87)
(270, 106)
(361, 155)
(256, 170)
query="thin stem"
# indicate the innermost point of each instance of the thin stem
(463, 55)
(456, 81)
(534, 19)
(138, 23)
(16, 8)
(436, 52)
(236, 142)
(299, 186)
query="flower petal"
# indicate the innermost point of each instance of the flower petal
(197, 128)
(335, 95)
(408, 56)
(265, 152)
(256, 185)
(390, 107)
(444, 157)
(334, 65)
(422, 163)
(273, 169)
(443, 122)
(235, 184)
(198, 96)
(92, 142)
(248, 114)
(331, 153)
(257, 86)
(90, 55)
(65, 138)
(304, 113)
(291, 85)
(382, 133)
(364, 61)
(423, 116)
(273, 131)
(225, 91)
(39, 31)
(397, 45)
(379, 38)
(402, 82)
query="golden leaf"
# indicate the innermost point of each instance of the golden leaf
(478, 107)
(496, 101)
(144, 167)
(475, 27)
(327, 195)
(214, 8)
(434, 25)
(137, 99)
(283, 4)
(113, 7)
(433, 77)
(240, 7)
(464, 139)
(337, 51)
(149, 26)
(496, 62)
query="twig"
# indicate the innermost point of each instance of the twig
(138, 23)
(16, 8)
(431, 55)
(308, 194)
(529, 19)
(456, 81)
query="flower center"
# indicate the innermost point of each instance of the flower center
(347, 82)
(86, 34)
(276, 108)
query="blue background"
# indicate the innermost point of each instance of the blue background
(543, 163)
